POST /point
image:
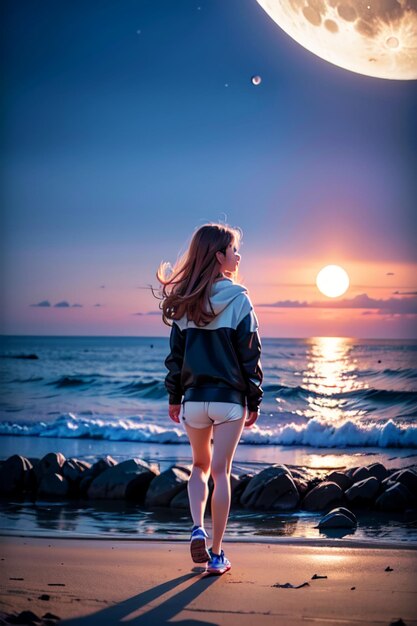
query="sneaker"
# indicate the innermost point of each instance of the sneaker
(198, 547)
(218, 563)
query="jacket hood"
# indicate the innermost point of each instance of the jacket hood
(224, 292)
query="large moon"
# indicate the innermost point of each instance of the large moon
(372, 37)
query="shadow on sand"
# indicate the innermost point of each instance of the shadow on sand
(159, 615)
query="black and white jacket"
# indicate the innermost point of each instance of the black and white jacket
(219, 362)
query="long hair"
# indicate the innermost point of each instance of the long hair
(186, 287)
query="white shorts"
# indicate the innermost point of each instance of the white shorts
(203, 414)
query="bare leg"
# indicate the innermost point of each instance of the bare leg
(225, 439)
(200, 439)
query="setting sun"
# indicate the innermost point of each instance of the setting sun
(332, 281)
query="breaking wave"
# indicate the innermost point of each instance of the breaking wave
(316, 432)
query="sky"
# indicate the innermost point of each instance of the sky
(127, 125)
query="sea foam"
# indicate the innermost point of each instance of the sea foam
(316, 432)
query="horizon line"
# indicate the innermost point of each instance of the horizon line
(262, 337)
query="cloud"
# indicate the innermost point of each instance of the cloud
(65, 305)
(43, 303)
(97, 305)
(148, 313)
(390, 274)
(61, 305)
(288, 304)
(404, 293)
(363, 301)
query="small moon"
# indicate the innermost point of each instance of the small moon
(256, 80)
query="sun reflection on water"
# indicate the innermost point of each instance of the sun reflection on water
(330, 373)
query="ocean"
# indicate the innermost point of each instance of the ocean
(328, 403)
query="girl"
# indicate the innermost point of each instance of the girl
(214, 371)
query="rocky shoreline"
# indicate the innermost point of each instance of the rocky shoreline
(276, 488)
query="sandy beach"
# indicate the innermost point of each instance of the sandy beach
(93, 582)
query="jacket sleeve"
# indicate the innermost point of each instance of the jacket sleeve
(249, 353)
(173, 363)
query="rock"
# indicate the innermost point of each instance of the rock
(180, 501)
(113, 483)
(299, 472)
(53, 485)
(184, 468)
(73, 469)
(49, 615)
(395, 498)
(279, 494)
(272, 489)
(51, 463)
(349, 472)
(137, 488)
(322, 496)
(340, 478)
(338, 518)
(95, 470)
(102, 464)
(363, 491)
(386, 483)
(345, 511)
(239, 487)
(378, 470)
(257, 483)
(24, 617)
(301, 486)
(165, 487)
(15, 475)
(406, 477)
(360, 473)
(314, 482)
(304, 479)
(84, 464)
(34, 460)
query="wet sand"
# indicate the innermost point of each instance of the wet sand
(94, 582)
